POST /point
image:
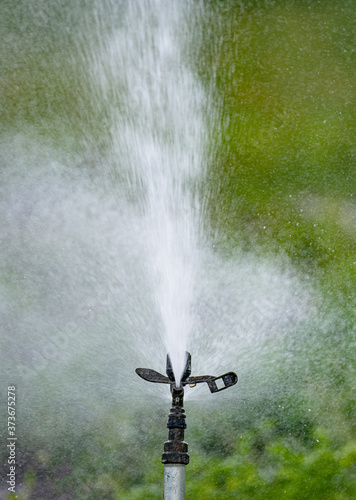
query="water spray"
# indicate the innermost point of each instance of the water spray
(175, 455)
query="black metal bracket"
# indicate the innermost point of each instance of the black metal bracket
(215, 384)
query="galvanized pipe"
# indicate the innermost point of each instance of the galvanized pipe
(174, 482)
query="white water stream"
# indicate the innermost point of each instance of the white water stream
(106, 266)
(159, 142)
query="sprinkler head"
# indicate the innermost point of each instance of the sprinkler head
(215, 384)
(186, 372)
(176, 449)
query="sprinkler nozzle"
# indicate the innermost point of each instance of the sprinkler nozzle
(186, 372)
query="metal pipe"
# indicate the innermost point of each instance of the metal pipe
(176, 449)
(175, 455)
(174, 482)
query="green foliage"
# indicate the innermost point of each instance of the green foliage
(283, 175)
(269, 467)
(261, 464)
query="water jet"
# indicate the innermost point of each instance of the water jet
(175, 455)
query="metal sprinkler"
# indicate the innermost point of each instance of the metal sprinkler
(175, 455)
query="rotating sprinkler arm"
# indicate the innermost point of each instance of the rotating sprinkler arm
(175, 456)
(228, 379)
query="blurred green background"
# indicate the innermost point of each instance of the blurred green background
(281, 181)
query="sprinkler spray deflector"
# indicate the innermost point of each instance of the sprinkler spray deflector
(216, 384)
(175, 455)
